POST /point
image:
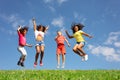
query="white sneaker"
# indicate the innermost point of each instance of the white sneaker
(83, 58)
(58, 66)
(86, 57)
(63, 66)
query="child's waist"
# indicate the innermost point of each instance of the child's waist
(59, 44)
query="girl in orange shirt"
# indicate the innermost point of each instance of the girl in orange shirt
(60, 39)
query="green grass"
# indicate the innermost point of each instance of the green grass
(59, 74)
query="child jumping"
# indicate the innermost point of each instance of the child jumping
(39, 36)
(22, 42)
(80, 42)
(60, 39)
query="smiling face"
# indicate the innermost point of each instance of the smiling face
(76, 28)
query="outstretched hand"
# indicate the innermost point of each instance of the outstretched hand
(33, 19)
(90, 36)
(29, 45)
(19, 27)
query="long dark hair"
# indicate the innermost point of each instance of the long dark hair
(39, 26)
(79, 25)
(24, 28)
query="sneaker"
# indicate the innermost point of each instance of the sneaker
(22, 64)
(18, 63)
(35, 64)
(58, 66)
(41, 64)
(83, 58)
(63, 66)
(86, 57)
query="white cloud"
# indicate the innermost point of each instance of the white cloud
(117, 44)
(58, 22)
(109, 52)
(110, 48)
(13, 20)
(113, 37)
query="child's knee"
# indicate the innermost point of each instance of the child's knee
(42, 52)
(24, 56)
(74, 50)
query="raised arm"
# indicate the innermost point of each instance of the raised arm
(87, 35)
(69, 36)
(19, 27)
(34, 24)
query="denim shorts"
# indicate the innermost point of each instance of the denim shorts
(81, 43)
(40, 43)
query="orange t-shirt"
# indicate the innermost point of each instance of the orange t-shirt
(60, 40)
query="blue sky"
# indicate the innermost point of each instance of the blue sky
(100, 17)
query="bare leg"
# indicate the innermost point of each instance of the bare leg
(75, 49)
(36, 57)
(58, 59)
(37, 53)
(23, 58)
(85, 56)
(42, 53)
(80, 46)
(63, 60)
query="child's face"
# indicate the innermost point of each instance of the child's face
(59, 33)
(40, 29)
(76, 28)
(24, 32)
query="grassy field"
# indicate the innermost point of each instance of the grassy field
(59, 74)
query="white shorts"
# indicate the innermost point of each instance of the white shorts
(22, 50)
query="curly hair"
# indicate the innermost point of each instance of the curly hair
(79, 25)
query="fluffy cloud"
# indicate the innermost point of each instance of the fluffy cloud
(117, 44)
(59, 22)
(110, 49)
(110, 53)
(113, 37)
(13, 20)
